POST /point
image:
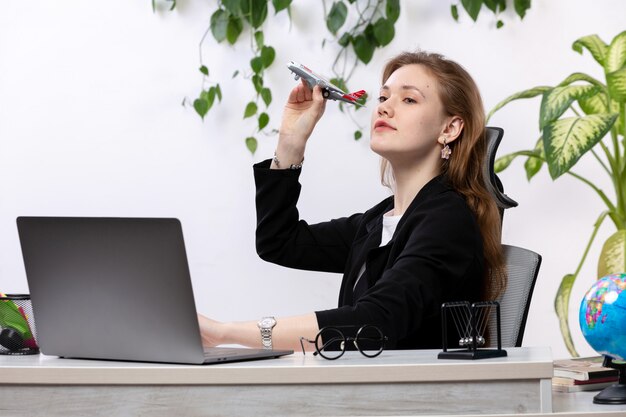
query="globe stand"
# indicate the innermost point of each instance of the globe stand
(471, 323)
(616, 393)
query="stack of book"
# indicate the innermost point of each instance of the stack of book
(582, 374)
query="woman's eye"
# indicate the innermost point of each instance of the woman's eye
(410, 100)
(381, 99)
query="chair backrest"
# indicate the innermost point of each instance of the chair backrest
(522, 266)
(493, 183)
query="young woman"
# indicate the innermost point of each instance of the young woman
(436, 239)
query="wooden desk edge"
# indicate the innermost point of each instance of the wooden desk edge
(217, 375)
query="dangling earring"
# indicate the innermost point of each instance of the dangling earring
(445, 151)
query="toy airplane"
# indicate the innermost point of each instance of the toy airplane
(328, 90)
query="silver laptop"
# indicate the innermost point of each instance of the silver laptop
(116, 288)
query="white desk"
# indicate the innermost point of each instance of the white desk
(408, 383)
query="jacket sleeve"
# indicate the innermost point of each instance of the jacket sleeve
(440, 254)
(282, 238)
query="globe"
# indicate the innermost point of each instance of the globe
(602, 316)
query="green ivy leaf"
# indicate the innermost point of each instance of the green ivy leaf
(559, 99)
(533, 92)
(203, 69)
(251, 110)
(565, 141)
(201, 106)
(495, 6)
(340, 83)
(472, 7)
(595, 45)
(259, 39)
(521, 6)
(266, 95)
(255, 11)
(345, 39)
(384, 31)
(499, 24)
(392, 10)
(337, 16)
(264, 119)
(219, 24)
(232, 6)
(455, 12)
(218, 92)
(363, 48)
(209, 97)
(233, 29)
(257, 81)
(267, 56)
(616, 54)
(281, 4)
(371, 37)
(561, 306)
(358, 135)
(251, 144)
(256, 64)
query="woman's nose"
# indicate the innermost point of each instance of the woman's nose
(385, 108)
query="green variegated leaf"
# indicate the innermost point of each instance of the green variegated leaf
(566, 140)
(533, 92)
(561, 306)
(533, 164)
(579, 76)
(595, 45)
(557, 100)
(594, 104)
(503, 162)
(613, 256)
(617, 84)
(616, 54)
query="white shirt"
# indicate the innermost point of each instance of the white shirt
(390, 223)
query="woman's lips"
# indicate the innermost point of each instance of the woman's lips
(382, 125)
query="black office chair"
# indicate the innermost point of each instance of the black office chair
(522, 265)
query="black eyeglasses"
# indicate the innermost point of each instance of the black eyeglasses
(330, 342)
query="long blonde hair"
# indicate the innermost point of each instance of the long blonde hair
(463, 171)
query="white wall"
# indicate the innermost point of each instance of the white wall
(91, 124)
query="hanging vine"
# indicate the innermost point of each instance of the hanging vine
(372, 26)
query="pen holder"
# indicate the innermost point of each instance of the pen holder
(17, 326)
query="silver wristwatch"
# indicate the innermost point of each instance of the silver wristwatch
(266, 324)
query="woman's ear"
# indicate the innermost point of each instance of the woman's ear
(452, 129)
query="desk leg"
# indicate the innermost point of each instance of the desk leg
(545, 387)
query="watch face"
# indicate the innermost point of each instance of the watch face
(267, 322)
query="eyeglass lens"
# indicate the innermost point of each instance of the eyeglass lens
(370, 341)
(330, 343)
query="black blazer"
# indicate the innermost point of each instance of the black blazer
(435, 255)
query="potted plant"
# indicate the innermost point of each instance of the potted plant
(583, 114)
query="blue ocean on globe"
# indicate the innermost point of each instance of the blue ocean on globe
(602, 316)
